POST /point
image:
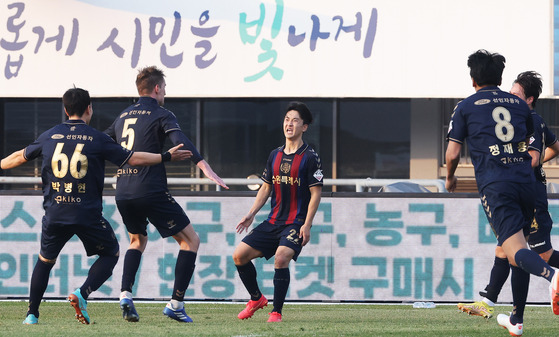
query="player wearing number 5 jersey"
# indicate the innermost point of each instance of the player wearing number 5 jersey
(142, 194)
(72, 172)
(497, 126)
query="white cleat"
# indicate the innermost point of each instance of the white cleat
(514, 330)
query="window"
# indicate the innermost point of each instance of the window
(374, 138)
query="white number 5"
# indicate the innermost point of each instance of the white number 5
(127, 131)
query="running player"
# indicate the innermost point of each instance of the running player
(528, 86)
(142, 194)
(497, 126)
(72, 172)
(293, 177)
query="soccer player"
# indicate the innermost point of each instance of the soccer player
(72, 172)
(497, 126)
(142, 194)
(293, 178)
(527, 86)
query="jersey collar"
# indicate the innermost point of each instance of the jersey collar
(489, 88)
(300, 150)
(148, 100)
(74, 122)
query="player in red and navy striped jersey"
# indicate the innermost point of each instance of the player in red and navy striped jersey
(293, 179)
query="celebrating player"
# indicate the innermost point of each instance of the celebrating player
(497, 126)
(142, 194)
(528, 86)
(293, 177)
(72, 172)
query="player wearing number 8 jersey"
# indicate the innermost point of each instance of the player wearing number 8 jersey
(497, 126)
(142, 194)
(72, 172)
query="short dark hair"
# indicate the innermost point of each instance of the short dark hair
(531, 82)
(148, 78)
(76, 101)
(302, 109)
(486, 68)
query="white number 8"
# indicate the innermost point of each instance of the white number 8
(504, 129)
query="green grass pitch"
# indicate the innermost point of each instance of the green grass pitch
(220, 319)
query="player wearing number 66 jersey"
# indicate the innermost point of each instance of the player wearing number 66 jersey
(72, 172)
(142, 194)
(497, 126)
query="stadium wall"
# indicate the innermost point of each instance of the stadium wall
(364, 247)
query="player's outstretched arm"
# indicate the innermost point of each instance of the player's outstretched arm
(13, 160)
(551, 152)
(261, 198)
(305, 232)
(535, 158)
(205, 167)
(452, 160)
(148, 159)
(179, 155)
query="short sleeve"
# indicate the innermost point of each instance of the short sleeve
(269, 170)
(113, 152)
(315, 174)
(457, 130)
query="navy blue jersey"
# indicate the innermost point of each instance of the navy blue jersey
(291, 176)
(143, 127)
(73, 170)
(497, 126)
(541, 139)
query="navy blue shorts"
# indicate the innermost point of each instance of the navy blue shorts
(161, 210)
(98, 239)
(267, 237)
(509, 208)
(540, 231)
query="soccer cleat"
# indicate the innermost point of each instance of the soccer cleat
(479, 308)
(80, 304)
(31, 319)
(504, 321)
(128, 310)
(554, 290)
(274, 317)
(252, 306)
(178, 315)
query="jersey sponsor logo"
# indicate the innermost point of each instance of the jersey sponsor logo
(318, 175)
(449, 127)
(126, 171)
(124, 114)
(67, 199)
(532, 139)
(57, 136)
(482, 101)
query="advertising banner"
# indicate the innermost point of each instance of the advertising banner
(268, 48)
(361, 249)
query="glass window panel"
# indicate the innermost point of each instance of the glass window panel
(24, 121)
(240, 134)
(374, 138)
